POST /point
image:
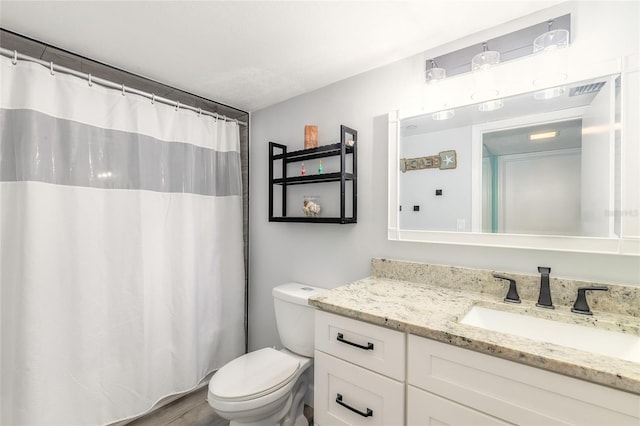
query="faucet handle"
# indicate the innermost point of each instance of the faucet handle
(512, 294)
(544, 269)
(581, 306)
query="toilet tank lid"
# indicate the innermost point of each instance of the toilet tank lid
(296, 292)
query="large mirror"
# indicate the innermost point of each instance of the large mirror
(539, 164)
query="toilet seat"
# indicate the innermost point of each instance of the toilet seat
(253, 375)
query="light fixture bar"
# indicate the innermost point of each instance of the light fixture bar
(519, 42)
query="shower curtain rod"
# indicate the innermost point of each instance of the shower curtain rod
(15, 56)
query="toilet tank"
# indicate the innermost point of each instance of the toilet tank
(294, 316)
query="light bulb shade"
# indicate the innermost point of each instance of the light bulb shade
(485, 86)
(551, 63)
(434, 75)
(551, 40)
(484, 60)
(443, 115)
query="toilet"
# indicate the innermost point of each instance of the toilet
(268, 386)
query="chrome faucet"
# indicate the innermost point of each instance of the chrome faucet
(544, 299)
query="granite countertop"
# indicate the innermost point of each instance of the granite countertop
(433, 311)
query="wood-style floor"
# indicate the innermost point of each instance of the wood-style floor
(190, 410)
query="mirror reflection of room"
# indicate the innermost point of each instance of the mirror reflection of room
(545, 167)
(531, 179)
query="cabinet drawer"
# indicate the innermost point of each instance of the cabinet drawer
(514, 392)
(378, 399)
(424, 408)
(370, 346)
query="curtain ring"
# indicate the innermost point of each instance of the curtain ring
(153, 98)
(51, 68)
(14, 61)
(177, 105)
(123, 89)
(89, 80)
(224, 117)
(199, 112)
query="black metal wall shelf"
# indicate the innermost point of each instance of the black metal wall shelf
(329, 177)
(341, 150)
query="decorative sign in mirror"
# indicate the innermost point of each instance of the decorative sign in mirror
(539, 165)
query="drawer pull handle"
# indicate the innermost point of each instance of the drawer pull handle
(369, 346)
(369, 412)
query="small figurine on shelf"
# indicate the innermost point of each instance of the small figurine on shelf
(302, 170)
(320, 168)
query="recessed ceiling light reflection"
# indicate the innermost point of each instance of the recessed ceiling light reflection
(542, 135)
(491, 105)
(443, 115)
(550, 93)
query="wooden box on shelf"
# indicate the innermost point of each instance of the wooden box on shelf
(345, 150)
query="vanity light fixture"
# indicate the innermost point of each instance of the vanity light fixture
(542, 135)
(553, 70)
(485, 59)
(433, 73)
(551, 40)
(483, 81)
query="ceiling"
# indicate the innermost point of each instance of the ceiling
(568, 135)
(252, 54)
(521, 105)
(577, 98)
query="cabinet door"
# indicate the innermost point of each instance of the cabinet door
(514, 392)
(349, 395)
(424, 408)
(370, 346)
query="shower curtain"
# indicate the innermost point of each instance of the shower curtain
(121, 250)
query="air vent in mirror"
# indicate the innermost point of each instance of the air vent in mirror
(586, 89)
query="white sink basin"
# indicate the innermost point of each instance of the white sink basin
(603, 342)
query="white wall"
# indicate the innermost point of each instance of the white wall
(418, 187)
(539, 193)
(328, 255)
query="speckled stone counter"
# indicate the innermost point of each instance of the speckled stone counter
(429, 300)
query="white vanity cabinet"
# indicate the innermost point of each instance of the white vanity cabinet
(364, 373)
(359, 372)
(457, 386)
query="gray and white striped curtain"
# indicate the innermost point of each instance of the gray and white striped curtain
(121, 273)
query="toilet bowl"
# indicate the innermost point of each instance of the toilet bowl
(269, 386)
(260, 387)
